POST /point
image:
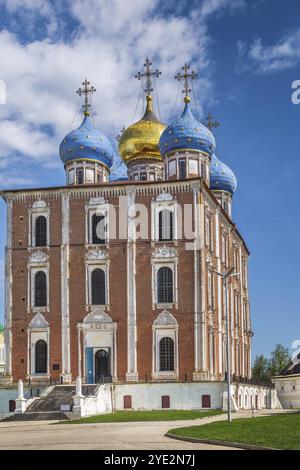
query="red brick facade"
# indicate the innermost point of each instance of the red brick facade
(19, 310)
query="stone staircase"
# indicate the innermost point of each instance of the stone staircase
(47, 406)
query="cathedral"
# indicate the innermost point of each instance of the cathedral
(120, 282)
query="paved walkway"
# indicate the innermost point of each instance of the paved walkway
(108, 436)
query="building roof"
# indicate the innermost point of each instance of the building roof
(292, 368)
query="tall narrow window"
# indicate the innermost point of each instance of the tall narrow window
(165, 223)
(165, 285)
(182, 169)
(98, 287)
(40, 289)
(98, 229)
(79, 175)
(41, 357)
(41, 231)
(166, 354)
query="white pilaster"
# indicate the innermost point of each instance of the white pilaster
(65, 314)
(132, 373)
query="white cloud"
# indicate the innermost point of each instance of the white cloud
(109, 47)
(285, 54)
(208, 7)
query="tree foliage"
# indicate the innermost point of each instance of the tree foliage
(264, 368)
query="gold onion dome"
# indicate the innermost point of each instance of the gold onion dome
(141, 139)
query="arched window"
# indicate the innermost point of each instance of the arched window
(166, 354)
(98, 287)
(41, 357)
(41, 231)
(165, 224)
(98, 229)
(165, 285)
(40, 289)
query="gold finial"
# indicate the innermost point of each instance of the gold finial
(185, 76)
(147, 75)
(210, 123)
(86, 91)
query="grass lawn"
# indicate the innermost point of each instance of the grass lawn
(159, 415)
(277, 431)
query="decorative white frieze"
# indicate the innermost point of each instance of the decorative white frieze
(165, 318)
(96, 201)
(164, 197)
(96, 254)
(38, 257)
(165, 252)
(39, 204)
(38, 322)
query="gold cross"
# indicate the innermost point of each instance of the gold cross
(86, 91)
(147, 75)
(185, 76)
(210, 123)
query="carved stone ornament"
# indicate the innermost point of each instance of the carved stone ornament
(39, 204)
(38, 322)
(165, 318)
(165, 252)
(95, 201)
(96, 254)
(97, 316)
(38, 257)
(164, 197)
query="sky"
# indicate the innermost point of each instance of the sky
(247, 55)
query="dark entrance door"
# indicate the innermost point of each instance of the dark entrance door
(102, 366)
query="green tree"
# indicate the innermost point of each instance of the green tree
(260, 369)
(280, 358)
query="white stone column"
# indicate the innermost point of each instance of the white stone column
(8, 291)
(79, 352)
(65, 314)
(20, 401)
(132, 373)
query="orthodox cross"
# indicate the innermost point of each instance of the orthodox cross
(118, 137)
(86, 91)
(147, 75)
(210, 123)
(185, 76)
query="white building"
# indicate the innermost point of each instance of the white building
(287, 384)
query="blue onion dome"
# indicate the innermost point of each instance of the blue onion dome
(187, 134)
(86, 143)
(222, 177)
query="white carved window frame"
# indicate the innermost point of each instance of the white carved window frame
(36, 332)
(159, 332)
(99, 207)
(38, 208)
(33, 268)
(90, 266)
(169, 204)
(158, 263)
(34, 336)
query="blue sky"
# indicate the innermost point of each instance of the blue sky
(247, 54)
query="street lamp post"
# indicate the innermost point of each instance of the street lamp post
(225, 277)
